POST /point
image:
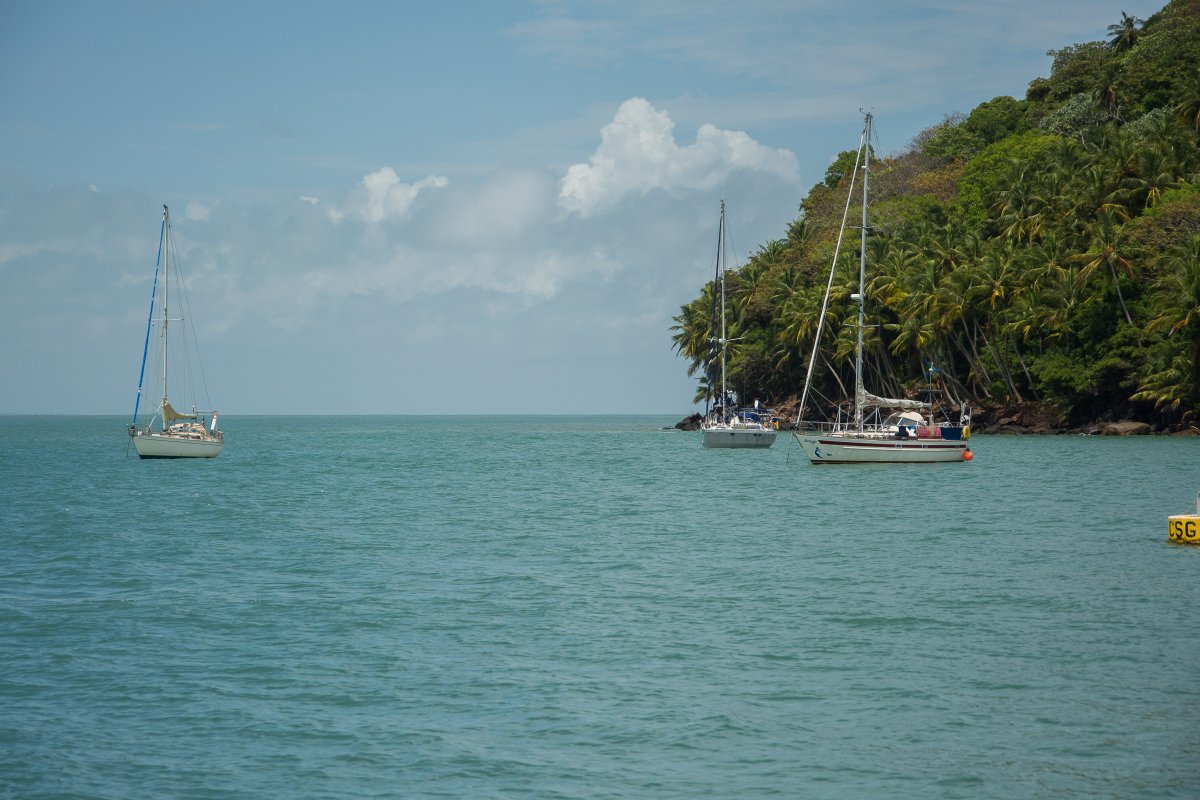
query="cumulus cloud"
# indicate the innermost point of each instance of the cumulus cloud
(382, 195)
(638, 153)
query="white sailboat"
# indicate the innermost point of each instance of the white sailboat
(878, 429)
(178, 434)
(725, 425)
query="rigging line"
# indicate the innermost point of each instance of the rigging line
(153, 293)
(187, 330)
(193, 347)
(823, 397)
(832, 269)
(712, 320)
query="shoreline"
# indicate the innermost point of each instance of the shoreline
(1023, 420)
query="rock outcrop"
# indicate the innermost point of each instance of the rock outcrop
(1125, 428)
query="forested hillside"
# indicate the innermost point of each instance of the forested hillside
(1041, 252)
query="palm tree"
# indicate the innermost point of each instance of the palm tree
(1106, 250)
(1020, 210)
(798, 318)
(1107, 94)
(1155, 174)
(1187, 106)
(1176, 309)
(1173, 383)
(1177, 289)
(693, 330)
(749, 288)
(1124, 34)
(1097, 196)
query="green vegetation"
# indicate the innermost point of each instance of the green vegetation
(1042, 251)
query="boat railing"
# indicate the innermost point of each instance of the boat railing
(819, 426)
(744, 418)
(943, 431)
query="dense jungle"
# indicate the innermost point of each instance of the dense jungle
(1038, 258)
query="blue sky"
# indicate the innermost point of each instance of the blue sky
(440, 208)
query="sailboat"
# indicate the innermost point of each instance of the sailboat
(876, 429)
(725, 425)
(178, 434)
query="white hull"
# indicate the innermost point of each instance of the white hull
(157, 445)
(739, 437)
(851, 449)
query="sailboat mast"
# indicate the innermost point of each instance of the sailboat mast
(721, 270)
(166, 300)
(859, 392)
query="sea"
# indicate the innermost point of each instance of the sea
(590, 607)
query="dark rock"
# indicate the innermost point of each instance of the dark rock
(1125, 429)
(691, 423)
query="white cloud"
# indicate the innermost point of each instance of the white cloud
(638, 153)
(312, 201)
(509, 206)
(514, 281)
(8, 252)
(197, 212)
(381, 195)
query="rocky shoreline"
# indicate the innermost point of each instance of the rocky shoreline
(1034, 419)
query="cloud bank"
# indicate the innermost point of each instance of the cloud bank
(638, 153)
(560, 282)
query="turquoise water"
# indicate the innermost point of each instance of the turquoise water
(471, 607)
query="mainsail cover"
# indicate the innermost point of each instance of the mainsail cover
(170, 414)
(888, 402)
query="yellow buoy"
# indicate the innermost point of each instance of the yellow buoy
(1185, 528)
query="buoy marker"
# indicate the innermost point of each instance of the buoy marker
(1185, 528)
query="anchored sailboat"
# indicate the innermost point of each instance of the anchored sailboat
(879, 429)
(178, 434)
(725, 425)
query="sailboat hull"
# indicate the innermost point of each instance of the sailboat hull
(868, 450)
(747, 438)
(155, 445)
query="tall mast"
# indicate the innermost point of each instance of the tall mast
(721, 270)
(859, 392)
(166, 300)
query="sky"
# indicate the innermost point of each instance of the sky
(441, 208)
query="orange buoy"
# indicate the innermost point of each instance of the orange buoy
(968, 455)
